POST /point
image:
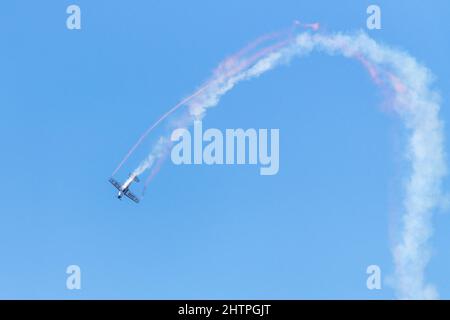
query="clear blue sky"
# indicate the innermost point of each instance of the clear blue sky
(73, 102)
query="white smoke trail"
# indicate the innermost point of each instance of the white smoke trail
(417, 105)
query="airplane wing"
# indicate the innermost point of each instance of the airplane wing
(115, 183)
(132, 196)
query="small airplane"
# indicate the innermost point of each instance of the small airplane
(124, 189)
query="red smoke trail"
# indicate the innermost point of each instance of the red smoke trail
(382, 78)
(398, 86)
(228, 62)
(176, 107)
(271, 36)
(242, 66)
(263, 52)
(187, 99)
(373, 72)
